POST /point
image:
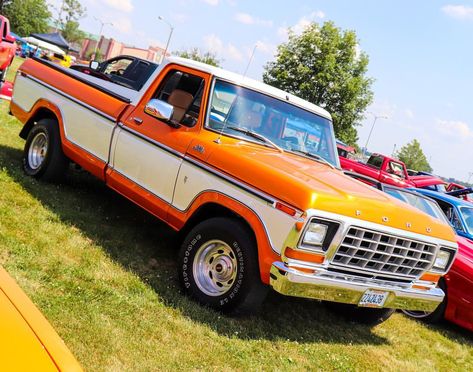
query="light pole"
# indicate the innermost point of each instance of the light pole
(102, 24)
(170, 34)
(376, 117)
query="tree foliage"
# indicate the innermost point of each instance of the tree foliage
(195, 54)
(72, 33)
(412, 155)
(27, 16)
(324, 66)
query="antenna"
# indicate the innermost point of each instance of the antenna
(251, 59)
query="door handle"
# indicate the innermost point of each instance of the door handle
(138, 120)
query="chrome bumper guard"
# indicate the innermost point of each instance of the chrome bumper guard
(329, 286)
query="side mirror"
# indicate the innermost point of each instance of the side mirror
(9, 39)
(94, 65)
(159, 109)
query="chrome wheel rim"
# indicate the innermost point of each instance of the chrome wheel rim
(37, 151)
(215, 268)
(417, 314)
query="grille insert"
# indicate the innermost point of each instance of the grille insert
(376, 252)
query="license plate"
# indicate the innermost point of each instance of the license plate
(373, 298)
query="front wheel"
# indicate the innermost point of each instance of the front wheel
(42, 156)
(431, 317)
(363, 315)
(218, 266)
(3, 74)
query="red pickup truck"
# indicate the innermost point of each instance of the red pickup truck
(388, 170)
(7, 47)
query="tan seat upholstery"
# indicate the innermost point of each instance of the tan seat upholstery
(181, 101)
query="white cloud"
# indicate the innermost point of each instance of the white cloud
(215, 45)
(211, 2)
(122, 5)
(266, 48)
(301, 24)
(250, 20)
(409, 113)
(458, 11)
(123, 25)
(453, 128)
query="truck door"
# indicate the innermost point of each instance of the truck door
(146, 152)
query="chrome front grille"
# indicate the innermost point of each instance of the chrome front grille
(368, 251)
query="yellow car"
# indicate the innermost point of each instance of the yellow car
(28, 342)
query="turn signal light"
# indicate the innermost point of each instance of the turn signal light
(304, 256)
(286, 209)
(428, 277)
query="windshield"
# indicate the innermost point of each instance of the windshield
(288, 126)
(467, 214)
(425, 205)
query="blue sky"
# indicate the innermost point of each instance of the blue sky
(421, 55)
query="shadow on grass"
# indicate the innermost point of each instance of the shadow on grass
(147, 247)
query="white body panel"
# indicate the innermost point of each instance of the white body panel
(193, 181)
(82, 126)
(146, 164)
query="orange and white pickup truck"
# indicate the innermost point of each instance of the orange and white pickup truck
(249, 174)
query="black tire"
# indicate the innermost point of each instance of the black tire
(434, 317)
(43, 157)
(362, 315)
(3, 74)
(218, 266)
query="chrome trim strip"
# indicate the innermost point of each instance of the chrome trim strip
(75, 100)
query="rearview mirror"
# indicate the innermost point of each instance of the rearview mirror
(94, 65)
(159, 109)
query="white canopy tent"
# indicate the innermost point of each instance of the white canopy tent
(44, 45)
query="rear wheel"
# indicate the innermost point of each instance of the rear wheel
(363, 315)
(218, 266)
(42, 156)
(3, 74)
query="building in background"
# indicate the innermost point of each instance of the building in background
(109, 48)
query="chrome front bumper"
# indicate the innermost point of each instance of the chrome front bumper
(329, 286)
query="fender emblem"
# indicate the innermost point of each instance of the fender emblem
(199, 148)
(385, 219)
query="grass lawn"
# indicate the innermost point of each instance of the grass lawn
(104, 273)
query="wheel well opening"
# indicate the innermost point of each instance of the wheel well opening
(211, 210)
(42, 113)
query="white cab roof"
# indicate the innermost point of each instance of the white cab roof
(246, 82)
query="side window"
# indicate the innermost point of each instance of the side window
(451, 214)
(396, 169)
(117, 67)
(184, 92)
(375, 161)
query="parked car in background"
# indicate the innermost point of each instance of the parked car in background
(458, 211)
(460, 191)
(132, 72)
(7, 47)
(28, 342)
(457, 305)
(388, 170)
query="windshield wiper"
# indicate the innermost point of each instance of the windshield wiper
(256, 135)
(316, 157)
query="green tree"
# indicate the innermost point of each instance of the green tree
(27, 16)
(195, 54)
(324, 66)
(3, 3)
(412, 155)
(72, 33)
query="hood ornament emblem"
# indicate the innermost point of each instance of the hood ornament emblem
(358, 213)
(428, 229)
(408, 225)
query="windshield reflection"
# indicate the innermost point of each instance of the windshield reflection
(288, 126)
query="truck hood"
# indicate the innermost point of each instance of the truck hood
(307, 184)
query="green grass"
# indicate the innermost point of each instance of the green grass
(104, 273)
